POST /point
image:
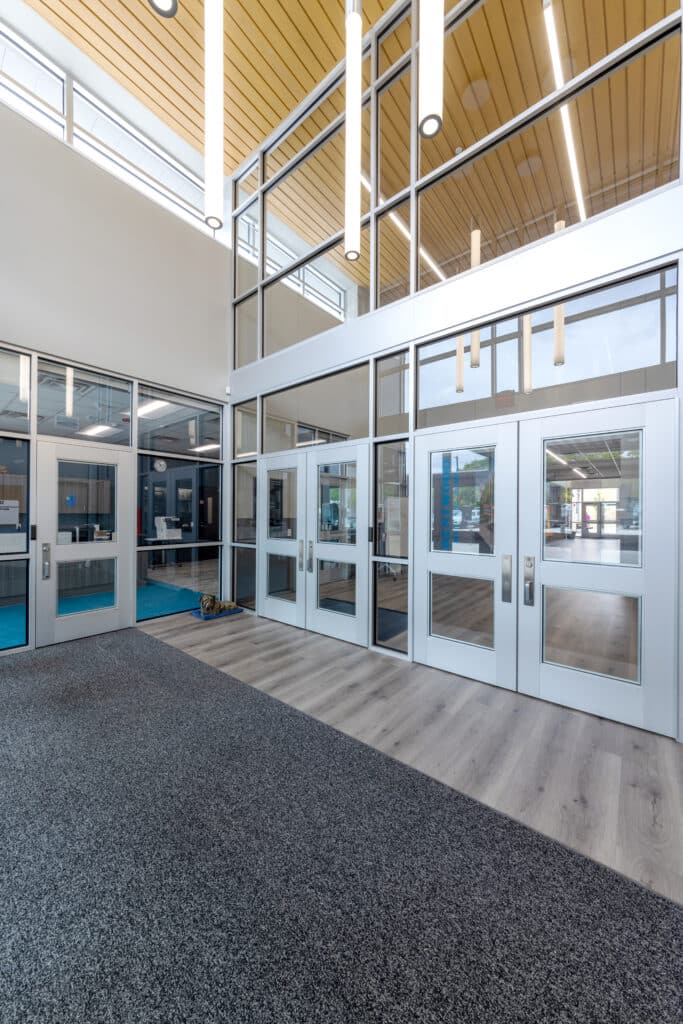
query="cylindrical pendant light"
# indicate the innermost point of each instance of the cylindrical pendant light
(475, 248)
(526, 354)
(558, 320)
(475, 348)
(24, 378)
(214, 101)
(354, 89)
(165, 8)
(460, 364)
(69, 388)
(430, 79)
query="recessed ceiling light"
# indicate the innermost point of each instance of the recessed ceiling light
(476, 94)
(97, 430)
(149, 408)
(166, 8)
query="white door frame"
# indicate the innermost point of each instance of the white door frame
(497, 665)
(50, 627)
(291, 612)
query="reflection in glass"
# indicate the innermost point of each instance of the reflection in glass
(244, 577)
(174, 579)
(331, 409)
(394, 136)
(592, 631)
(282, 503)
(391, 606)
(337, 503)
(392, 394)
(247, 247)
(392, 493)
(178, 501)
(462, 493)
(593, 499)
(86, 503)
(246, 331)
(244, 503)
(323, 293)
(393, 255)
(13, 604)
(524, 168)
(15, 382)
(170, 423)
(462, 609)
(244, 432)
(618, 340)
(82, 404)
(337, 587)
(282, 577)
(13, 496)
(86, 586)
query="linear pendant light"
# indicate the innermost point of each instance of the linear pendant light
(527, 386)
(69, 392)
(558, 320)
(24, 378)
(430, 80)
(475, 261)
(164, 8)
(214, 100)
(354, 89)
(554, 46)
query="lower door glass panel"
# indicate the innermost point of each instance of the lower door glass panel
(337, 587)
(282, 577)
(86, 586)
(592, 631)
(462, 609)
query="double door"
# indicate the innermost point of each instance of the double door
(515, 586)
(313, 520)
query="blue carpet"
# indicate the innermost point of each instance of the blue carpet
(12, 626)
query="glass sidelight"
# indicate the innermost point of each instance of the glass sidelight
(462, 508)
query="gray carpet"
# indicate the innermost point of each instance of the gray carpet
(176, 847)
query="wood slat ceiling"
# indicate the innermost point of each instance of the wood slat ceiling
(277, 51)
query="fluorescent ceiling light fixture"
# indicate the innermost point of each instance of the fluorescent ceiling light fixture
(24, 378)
(97, 430)
(558, 458)
(149, 408)
(396, 220)
(165, 8)
(316, 440)
(354, 89)
(214, 102)
(69, 385)
(430, 82)
(205, 448)
(579, 473)
(554, 46)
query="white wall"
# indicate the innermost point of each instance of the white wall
(91, 270)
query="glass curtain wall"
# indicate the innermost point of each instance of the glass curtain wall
(521, 156)
(179, 502)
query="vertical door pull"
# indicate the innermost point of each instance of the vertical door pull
(47, 565)
(301, 556)
(529, 580)
(506, 580)
(310, 556)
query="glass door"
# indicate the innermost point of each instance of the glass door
(282, 538)
(85, 541)
(313, 540)
(597, 587)
(466, 551)
(338, 544)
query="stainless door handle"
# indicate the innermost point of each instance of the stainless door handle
(301, 556)
(47, 563)
(310, 556)
(506, 580)
(529, 580)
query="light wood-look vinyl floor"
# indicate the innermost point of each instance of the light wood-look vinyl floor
(610, 791)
